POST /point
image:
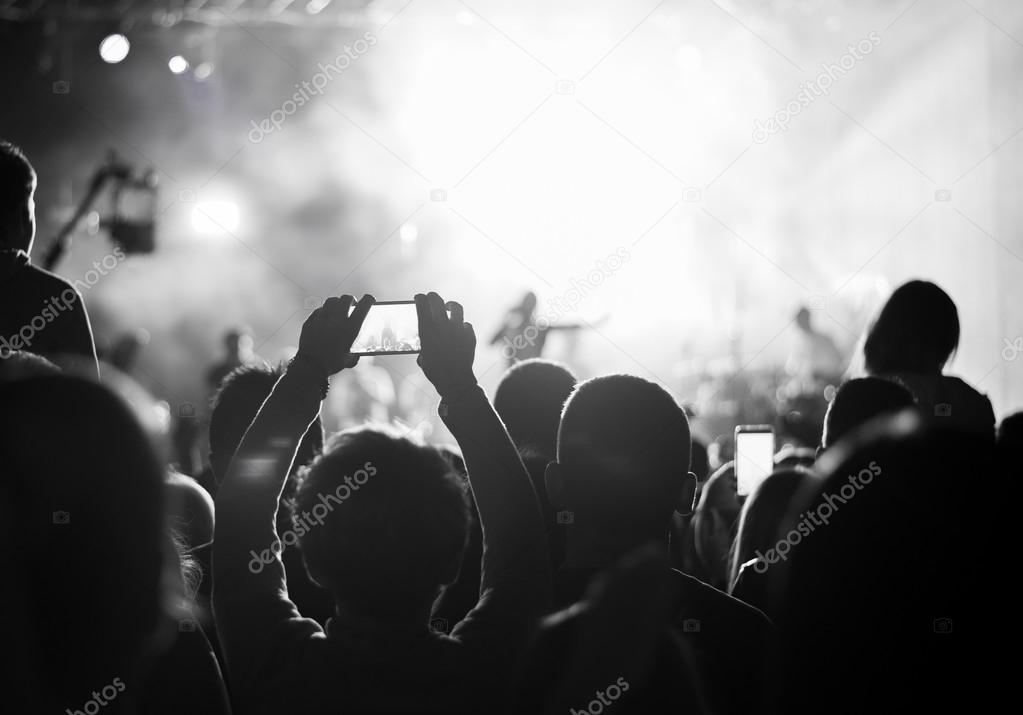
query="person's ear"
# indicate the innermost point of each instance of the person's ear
(686, 503)
(554, 483)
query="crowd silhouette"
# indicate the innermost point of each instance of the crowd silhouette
(577, 550)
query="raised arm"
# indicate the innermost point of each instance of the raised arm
(515, 585)
(250, 596)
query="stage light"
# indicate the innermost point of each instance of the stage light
(114, 48)
(177, 64)
(409, 233)
(313, 7)
(215, 216)
(203, 71)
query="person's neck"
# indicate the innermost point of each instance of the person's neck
(603, 547)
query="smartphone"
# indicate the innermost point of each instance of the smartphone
(391, 328)
(754, 456)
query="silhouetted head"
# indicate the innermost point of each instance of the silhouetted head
(235, 405)
(20, 364)
(803, 320)
(81, 490)
(17, 199)
(893, 563)
(237, 343)
(623, 458)
(762, 516)
(528, 305)
(529, 400)
(858, 401)
(916, 331)
(394, 522)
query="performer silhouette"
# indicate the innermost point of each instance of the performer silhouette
(522, 336)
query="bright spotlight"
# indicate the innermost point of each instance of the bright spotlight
(215, 216)
(177, 64)
(408, 233)
(114, 48)
(203, 71)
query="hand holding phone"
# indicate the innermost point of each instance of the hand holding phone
(448, 344)
(754, 456)
(328, 333)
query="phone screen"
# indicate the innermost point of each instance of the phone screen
(754, 456)
(390, 328)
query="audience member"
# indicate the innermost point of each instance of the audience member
(94, 569)
(394, 535)
(237, 352)
(858, 401)
(622, 470)
(40, 311)
(529, 399)
(913, 339)
(242, 392)
(762, 526)
(884, 589)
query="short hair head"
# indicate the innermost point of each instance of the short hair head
(235, 405)
(917, 330)
(528, 303)
(17, 206)
(803, 318)
(381, 521)
(623, 451)
(860, 400)
(529, 400)
(21, 364)
(104, 487)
